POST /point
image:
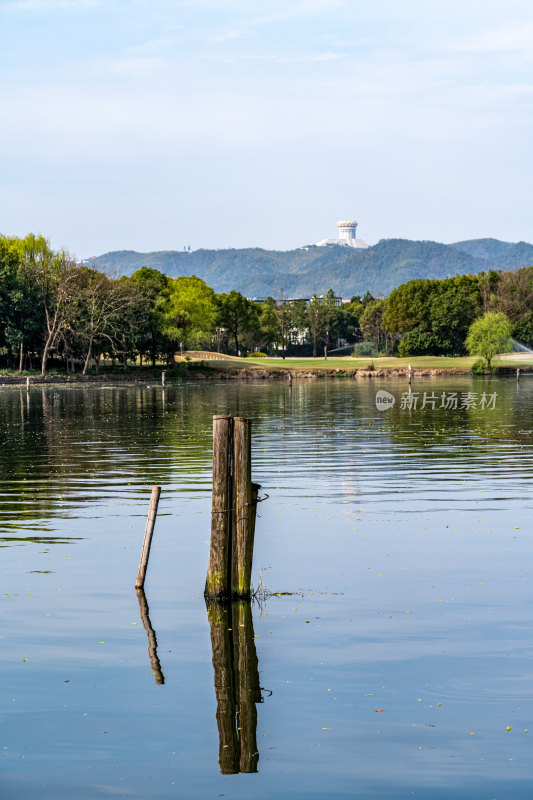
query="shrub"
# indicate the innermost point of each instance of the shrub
(365, 349)
(257, 355)
(479, 367)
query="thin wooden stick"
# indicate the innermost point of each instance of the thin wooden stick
(149, 530)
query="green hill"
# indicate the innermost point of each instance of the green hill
(259, 273)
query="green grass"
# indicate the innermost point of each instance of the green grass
(463, 363)
(348, 363)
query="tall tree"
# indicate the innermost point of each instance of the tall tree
(238, 315)
(54, 274)
(189, 312)
(319, 317)
(151, 284)
(372, 321)
(269, 323)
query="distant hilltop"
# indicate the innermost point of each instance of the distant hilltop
(348, 270)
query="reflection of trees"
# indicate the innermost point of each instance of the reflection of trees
(64, 447)
(237, 686)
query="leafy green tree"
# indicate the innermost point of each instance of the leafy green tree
(188, 310)
(151, 284)
(269, 323)
(320, 313)
(455, 305)
(418, 343)
(372, 321)
(21, 319)
(489, 336)
(345, 321)
(54, 275)
(238, 316)
(409, 307)
(441, 310)
(514, 298)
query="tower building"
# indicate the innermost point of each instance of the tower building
(347, 236)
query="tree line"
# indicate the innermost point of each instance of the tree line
(433, 317)
(56, 312)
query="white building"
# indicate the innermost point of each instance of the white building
(347, 236)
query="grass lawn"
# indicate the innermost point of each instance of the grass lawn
(463, 363)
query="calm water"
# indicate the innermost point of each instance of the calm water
(403, 665)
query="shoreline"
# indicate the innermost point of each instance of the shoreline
(202, 372)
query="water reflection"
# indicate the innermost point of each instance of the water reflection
(237, 686)
(152, 639)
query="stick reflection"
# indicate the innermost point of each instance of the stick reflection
(152, 640)
(237, 686)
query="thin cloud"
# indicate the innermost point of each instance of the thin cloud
(50, 5)
(516, 38)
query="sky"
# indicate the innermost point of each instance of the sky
(158, 124)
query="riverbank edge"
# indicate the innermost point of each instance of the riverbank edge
(243, 374)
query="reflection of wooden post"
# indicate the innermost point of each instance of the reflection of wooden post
(219, 616)
(248, 689)
(217, 585)
(243, 540)
(147, 543)
(152, 639)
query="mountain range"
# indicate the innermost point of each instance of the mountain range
(308, 270)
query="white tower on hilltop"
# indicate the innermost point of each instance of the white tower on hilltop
(348, 230)
(347, 236)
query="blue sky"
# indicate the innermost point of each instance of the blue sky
(150, 124)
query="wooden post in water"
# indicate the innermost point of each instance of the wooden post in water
(148, 533)
(218, 581)
(518, 374)
(27, 384)
(163, 379)
(241, 572)
(410, 374)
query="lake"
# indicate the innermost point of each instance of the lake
(401, 664)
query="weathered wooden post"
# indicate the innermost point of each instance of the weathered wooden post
(148, 533)
(518, 374)
(27, 384)
(163, 379)
(410, 374)
(218, 581)
(241, 572)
